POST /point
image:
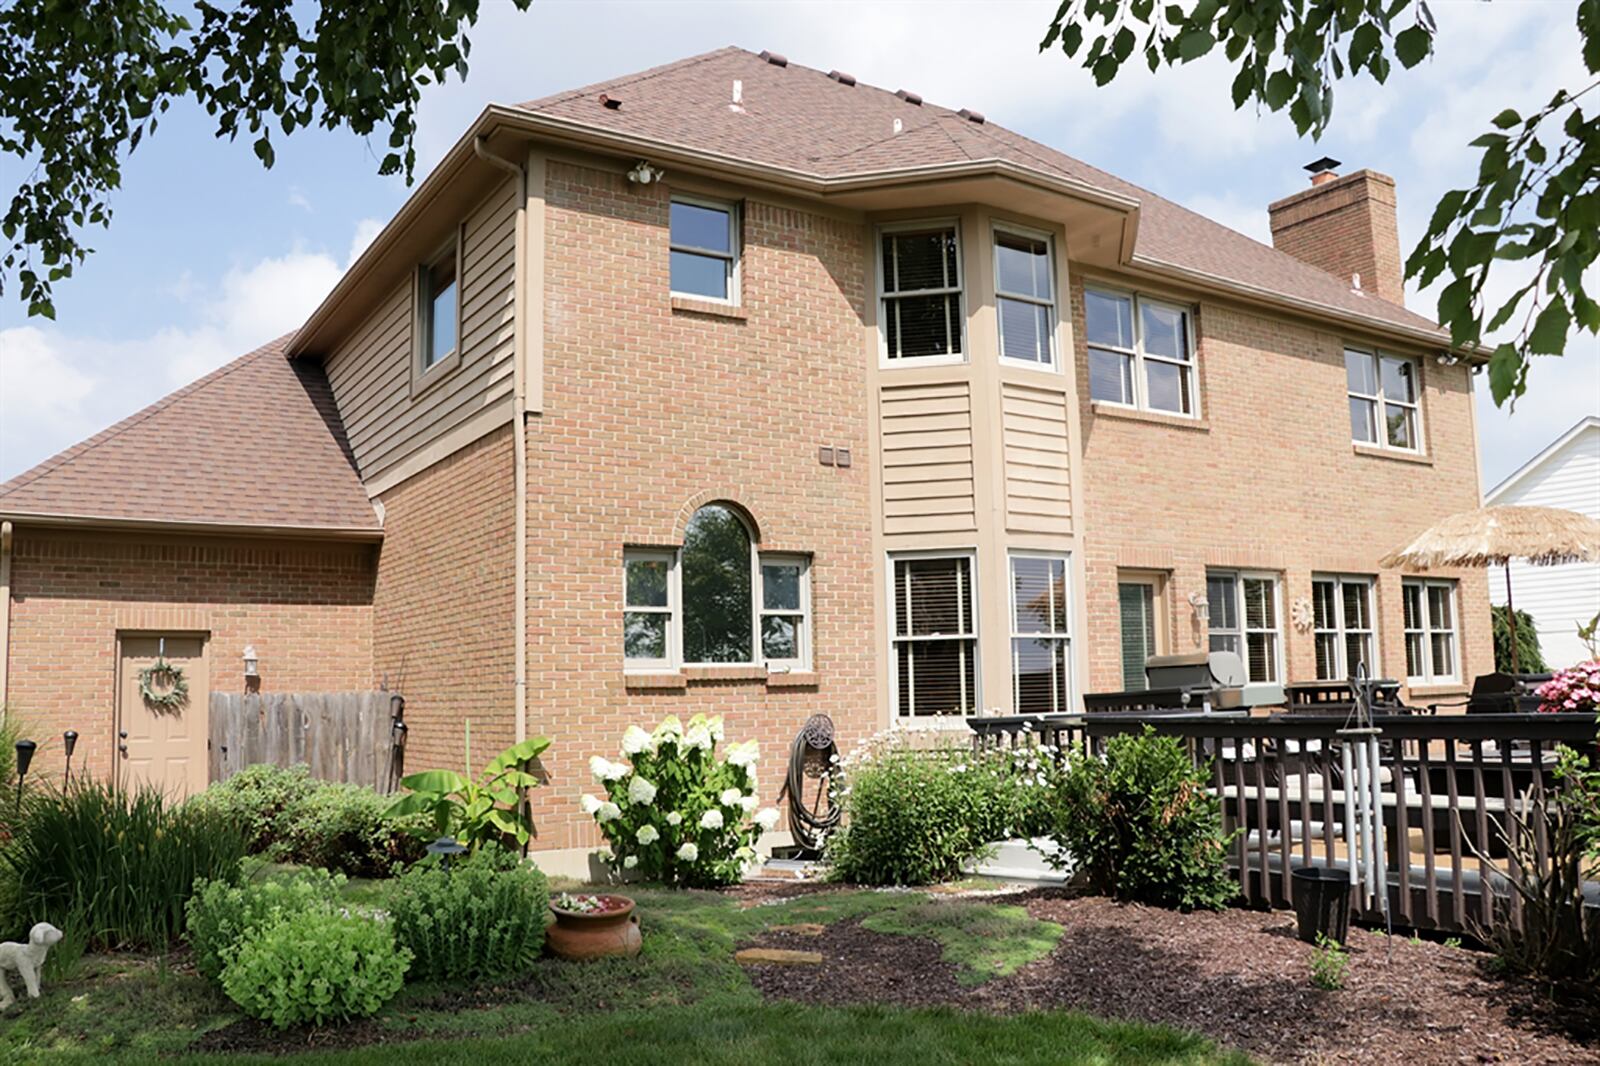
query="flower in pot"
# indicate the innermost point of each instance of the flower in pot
(593, 927)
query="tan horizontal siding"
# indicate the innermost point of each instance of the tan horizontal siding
(1037, 454)
(927, 458)
(371, 370)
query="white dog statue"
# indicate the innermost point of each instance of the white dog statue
(27, 959)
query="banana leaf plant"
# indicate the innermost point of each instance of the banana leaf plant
(491, 808)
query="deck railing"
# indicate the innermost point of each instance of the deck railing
(1447, 782)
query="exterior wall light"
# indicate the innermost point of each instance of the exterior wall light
(251, 661)
(1202, 607)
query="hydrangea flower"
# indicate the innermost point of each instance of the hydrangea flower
(673, 818)
(608, 812)
(689, 853)
(647, 834)
(636, 740)
(729, 797)
(606, 770)
(767, 817)
(640, 790)
(748, 803)
(698, 736)
(712, 819)
(669, 731)
(589, 804)
(742, 754)
(630, 862)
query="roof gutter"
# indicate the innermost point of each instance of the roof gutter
(103, 522)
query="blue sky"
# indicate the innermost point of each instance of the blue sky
(209, 255)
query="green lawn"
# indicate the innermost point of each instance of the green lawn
(683, 1000)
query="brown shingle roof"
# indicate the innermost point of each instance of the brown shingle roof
(799, 118)
(254, 443)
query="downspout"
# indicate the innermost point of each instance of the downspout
(5, 612)
(519, 432)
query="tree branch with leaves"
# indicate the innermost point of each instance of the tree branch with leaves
(83, 84)
(1536, 198)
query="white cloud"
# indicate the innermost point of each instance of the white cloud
(298, 198)
(57, 387)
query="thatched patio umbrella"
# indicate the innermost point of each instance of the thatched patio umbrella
(1494, 536)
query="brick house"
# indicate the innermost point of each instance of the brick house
(737, 386)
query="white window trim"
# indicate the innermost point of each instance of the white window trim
(1427, 632)
(1068, 699)
(1255, 688)
(1342, 631)
(733, 257)
(950, 721)
(673, 610)
(1141, 388)
(802, 662)
(959, 291)
(1052, 363)
(1380, 402)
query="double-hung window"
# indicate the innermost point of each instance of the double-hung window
(934, 636)
(704, 243)
(786, 611)
(650, 608)
(1041, 650)
(1430, 622)
(1342, 627)
(1384, 407)
(1141, 352)
(1243, 614)
(920, 275)
(1024, 285)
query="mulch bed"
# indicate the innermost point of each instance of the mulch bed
(1239, 977)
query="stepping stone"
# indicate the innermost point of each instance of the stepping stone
(778, 957)
(800, 929)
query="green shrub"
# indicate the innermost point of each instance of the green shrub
(316, 966)
(120, 864)
(344, 828)
(257, 797)
(482, 918)
(1530, 657)
(1141, 825)
(291, 816)
(222, 913)
(492, 808)
(1329, 963)
(676, 812)
(909, 820)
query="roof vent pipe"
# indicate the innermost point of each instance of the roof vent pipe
(971, 115)
(774, 58)
(841, 77)
(909, 97)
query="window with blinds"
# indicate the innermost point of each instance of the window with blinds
(1342, 627)
(1243, 618)
(935, 638)
(1041, 651)
(921, 298)
(1136, 601)
(1430, 623)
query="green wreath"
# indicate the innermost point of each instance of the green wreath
(174, 691)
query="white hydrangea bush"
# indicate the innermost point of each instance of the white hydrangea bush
(676, 813)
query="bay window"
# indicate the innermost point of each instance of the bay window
(1024, 285)
(920, 293)
(1041, 653)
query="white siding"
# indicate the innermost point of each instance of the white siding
(1558, 597)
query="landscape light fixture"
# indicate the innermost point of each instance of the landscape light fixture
(69, 741)
(25, 750)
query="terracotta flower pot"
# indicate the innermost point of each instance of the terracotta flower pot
(580, 935)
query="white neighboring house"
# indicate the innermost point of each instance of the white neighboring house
(1566, 474)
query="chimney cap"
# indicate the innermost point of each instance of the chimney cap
(1325, 165)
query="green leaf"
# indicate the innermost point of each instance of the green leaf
(1507, 118)
(1194, 43)
(1412, 45)
(1279, 88)
(443, 782)
(518, 754)
(1505, 368)
(1549, 333)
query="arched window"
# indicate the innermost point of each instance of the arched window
(718, 608)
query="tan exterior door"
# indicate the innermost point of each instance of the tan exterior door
(155, 745)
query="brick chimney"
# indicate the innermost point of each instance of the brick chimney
(1346, 226)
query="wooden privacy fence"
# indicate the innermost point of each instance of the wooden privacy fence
(1447, 782)
(341, 736)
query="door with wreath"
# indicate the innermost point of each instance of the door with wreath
(163, 720)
